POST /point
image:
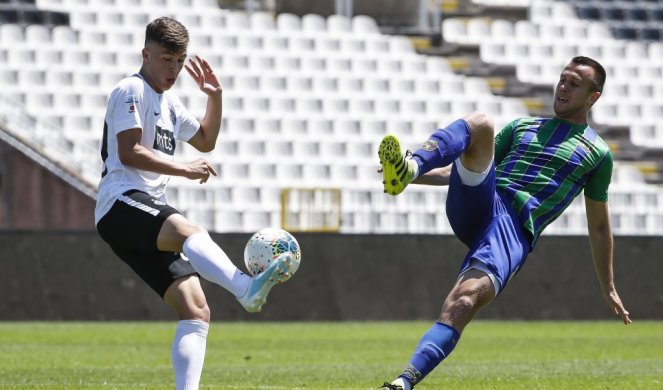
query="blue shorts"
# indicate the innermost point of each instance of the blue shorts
(488, 226)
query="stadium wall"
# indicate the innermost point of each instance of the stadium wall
(31, 197)
(75, 276)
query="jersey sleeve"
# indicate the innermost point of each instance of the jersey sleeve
(189, 125)
(598, 183)
(127, 105)
(503, 141)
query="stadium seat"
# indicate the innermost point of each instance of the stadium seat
(588, 11)
(478, 29)
(237, 21)
(611, 13)
(454, 30)
(262, 21)
(399, 45)
(364, 25)
(313, 23)
(377, 45)
(649, 34)
(339, 24)
(501, 29)
(625, 32)
(287, 22)
(11, 34)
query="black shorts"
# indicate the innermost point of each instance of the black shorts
(131, 228)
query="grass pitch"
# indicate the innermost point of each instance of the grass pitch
(490, 355)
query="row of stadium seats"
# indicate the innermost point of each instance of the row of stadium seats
(609, 11)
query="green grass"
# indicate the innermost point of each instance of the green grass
(490, 355)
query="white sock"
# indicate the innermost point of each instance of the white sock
(212, 263)
(188, 353)
(402, 383)
(415, 167)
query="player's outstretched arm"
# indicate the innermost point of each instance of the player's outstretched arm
(202, 73)
(435, 177)
(600, 237)
(135, 155)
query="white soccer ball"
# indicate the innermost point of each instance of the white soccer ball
(267, 245)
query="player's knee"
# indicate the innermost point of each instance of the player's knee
(191, 228)
(198, 311)
(481, 125)
(202, 313)
(468, 298)
(463, 303)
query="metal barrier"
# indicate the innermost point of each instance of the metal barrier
(311, 209)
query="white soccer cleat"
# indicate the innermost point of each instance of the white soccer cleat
(397, 384)
(256, 294)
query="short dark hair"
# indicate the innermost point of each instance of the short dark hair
(599, 71)
(168, 33)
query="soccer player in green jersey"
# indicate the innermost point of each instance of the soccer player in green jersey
(503, 191)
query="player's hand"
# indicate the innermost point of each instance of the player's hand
(200, 169)
(203, 75)
(617, 306)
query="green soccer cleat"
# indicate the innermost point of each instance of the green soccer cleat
(397, 173)
(277, 272)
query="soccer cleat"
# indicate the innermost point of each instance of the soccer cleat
(397, 173)
(259, 286)
(397, 384)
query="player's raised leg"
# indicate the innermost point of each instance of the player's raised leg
(212, 263)
(471, 138)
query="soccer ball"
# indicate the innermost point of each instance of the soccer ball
(267, 245)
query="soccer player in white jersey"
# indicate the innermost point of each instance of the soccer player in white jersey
(143, 121)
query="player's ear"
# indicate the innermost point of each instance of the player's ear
(593, 98)
(146, 54)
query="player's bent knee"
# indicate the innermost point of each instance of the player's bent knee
(201, 313)
(187, 298)
(481, 125)
(196, 310)
(175, 230)
(463, 303)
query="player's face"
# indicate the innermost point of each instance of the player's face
(575, 93)
(162, 66)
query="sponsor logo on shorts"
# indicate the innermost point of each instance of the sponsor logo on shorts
(429, 145)
(158, 202)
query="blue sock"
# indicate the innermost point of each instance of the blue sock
(443, 147)
(433, 347)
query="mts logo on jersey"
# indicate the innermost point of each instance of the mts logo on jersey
(164, 140)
